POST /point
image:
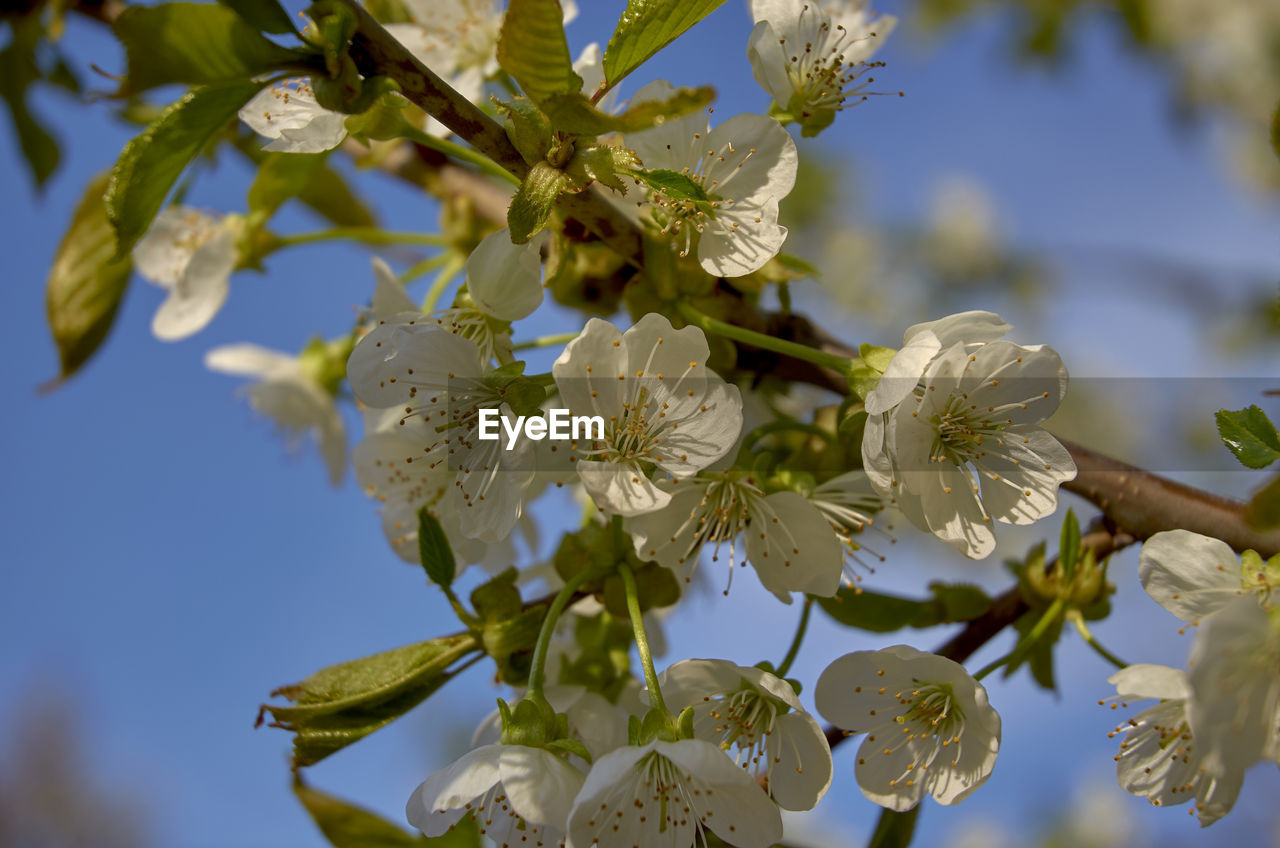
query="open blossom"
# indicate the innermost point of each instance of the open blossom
(436, 382)
(519, 795)
(811, 56)
(849, 503)
(660, 403)
(287, 394)
(288, 114)
(191, 255)
(790, 543)
(954, 437)
(1234, 670)
(746, 166)
(1193, 576)
(666, 794)
(1159, 759)
(930, 730)
(758, 716)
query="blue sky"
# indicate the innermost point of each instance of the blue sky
(167, 563)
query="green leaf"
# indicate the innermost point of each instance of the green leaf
(573, 111)
(86, 283)
(532, 204)
(1263, 511)
(1250, 435)
(151, 163)
(434, 551)
(18, 70)
(882, 613)
(533, 49)
(263, 15)
(672, 184)
(282, 176)
(875, 356)
(647, 26)
(196, 44)
(894, 829)
(343, 703)
(1069, 544)
(347, 826)
(1039, 658)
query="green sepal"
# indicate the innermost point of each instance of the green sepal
(684, 723)
(525, 396)
(434, 551)
(150, 164)
(569, 746)
(335, 24)
(86, 283)
(196, 44)
(533, 201)
(863, 378)
(498, 599)
(878, 358)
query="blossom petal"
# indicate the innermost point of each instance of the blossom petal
(802, 762)
(620, 489)
(389, 297)
(752, 158)
(453, 787)
(903, 373)
(541, 786)
(793, 547)
(505, 279)
(1190, 575)
(737, 810)
(250, 360)
(1147, 680)
(973, 327)
(200, 292)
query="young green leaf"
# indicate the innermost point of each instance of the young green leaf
(672, 184)
(646, 26)
(18, 70)
(1069, 544)
(881, 613)
(1250, 435)
(343, 703)
(86, 283)
(573, 111)
(196, 44)
(282, 176)
(895, 829)
(263, 15)
(531, 206)
(533, 49)
(347, 826)
(434, 551)
(151, 163)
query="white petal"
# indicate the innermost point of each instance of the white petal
(590, 363)
(793, 547)
(324, 132)
(199, 292)
(621, 489)
(671, 144)
(164, 251)
(687, 682)
(762, 164)
(541, 786)
(769, 62)
(728, 251)
(703, 435)
(737, 810)
(1146, 680)
(801, 773)
(667, 535)
(453, 787)
(974, 327)
(903, 373)
(389, 297)
(1190, 575)
(250, 360)
(505, 279)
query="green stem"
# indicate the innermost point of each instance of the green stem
(461, 152)
(537, 672)
(1026, 643)
(427, 265)
(642, 641)
(446, 275)
(1083, 629)
(368, 235)
(760, 340)
(546, 341)
(785, 665)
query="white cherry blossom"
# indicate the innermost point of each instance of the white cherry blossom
(953, 437)
(1159, 759)
(519, 795)
(787, 539)
(191, 255)
(746, 166)
(930, 730)
(1194, 576)
(665, 794)
(811, 56)
(1234, 670)
(505, 279)
(288, 114)
(757, 715)
(660, 403)
(435, 381)
(849, 503)
(285, 392)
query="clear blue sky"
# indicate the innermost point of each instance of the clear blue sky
(166, 564)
